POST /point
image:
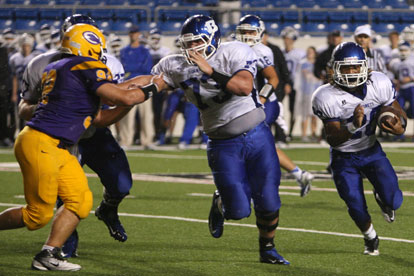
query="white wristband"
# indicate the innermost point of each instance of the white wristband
(351, 127)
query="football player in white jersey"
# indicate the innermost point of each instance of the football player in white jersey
(293, 57)
(348, 107)
(250, 31)
(404, 73)
(97, 148)
(219, 80)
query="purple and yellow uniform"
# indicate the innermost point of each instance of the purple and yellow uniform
(68, 106)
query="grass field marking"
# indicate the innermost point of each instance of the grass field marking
(239, 224)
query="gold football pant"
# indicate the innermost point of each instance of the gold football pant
(48, 172)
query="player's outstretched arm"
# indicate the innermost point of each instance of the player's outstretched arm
(117, 94)
(108, 117)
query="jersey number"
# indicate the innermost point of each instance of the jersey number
(195, 87)
(48, 82)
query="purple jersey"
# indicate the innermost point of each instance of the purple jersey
(69, 102)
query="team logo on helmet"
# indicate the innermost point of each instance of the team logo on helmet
(92, 38)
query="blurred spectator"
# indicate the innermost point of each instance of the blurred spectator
(54, 40)
(321, 63)
(390, 51)
(137, 61)
(362, 36)
(44, 39)
(284, 81)
(18, 62)
(293, 56)
(9, 40)
(403, 70)
(5, 87)
(157, 52)
(306, 83)
(115, 46)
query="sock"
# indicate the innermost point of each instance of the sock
(266, 244)
(47, 247)
(296, 172)
(370, 233)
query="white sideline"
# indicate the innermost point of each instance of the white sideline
(241, 225)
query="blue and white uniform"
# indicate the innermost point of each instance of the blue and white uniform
(361, 153)
(264, 60)
(403, 69)
(242, 157)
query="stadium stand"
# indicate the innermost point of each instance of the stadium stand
(316, 17)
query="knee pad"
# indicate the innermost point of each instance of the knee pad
(82, 206)
(36, 217)
(268, 217)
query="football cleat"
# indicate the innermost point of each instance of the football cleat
(109, 215)
(371, 247)
(70, 248)
(272, 257)
(305, 183)
(387, 212)
(52, 260)
(216, 218)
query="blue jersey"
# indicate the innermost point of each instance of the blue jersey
(69, 102)
(136, 61)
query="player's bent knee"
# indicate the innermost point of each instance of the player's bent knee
(267, 216)
(36, 218)
(83, 206)
(397, 200)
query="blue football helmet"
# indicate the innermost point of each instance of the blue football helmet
(250, 23)
(200, 28)
(346, 54)
(76, 19)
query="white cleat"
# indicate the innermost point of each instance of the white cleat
(52, 260)
(305, 183)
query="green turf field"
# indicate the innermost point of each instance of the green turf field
(166, 220)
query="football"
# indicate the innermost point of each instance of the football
(387, 115)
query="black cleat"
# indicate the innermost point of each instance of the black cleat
(215, 218)
(109, 215)
(371, 246)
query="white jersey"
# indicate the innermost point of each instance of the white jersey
(264, 59)
(18, 63)
(158, 54)
(403, 69)
(217, 107)
(293, 58)
(115, 66)
(331, 103)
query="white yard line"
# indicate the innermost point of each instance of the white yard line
(241, 225)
